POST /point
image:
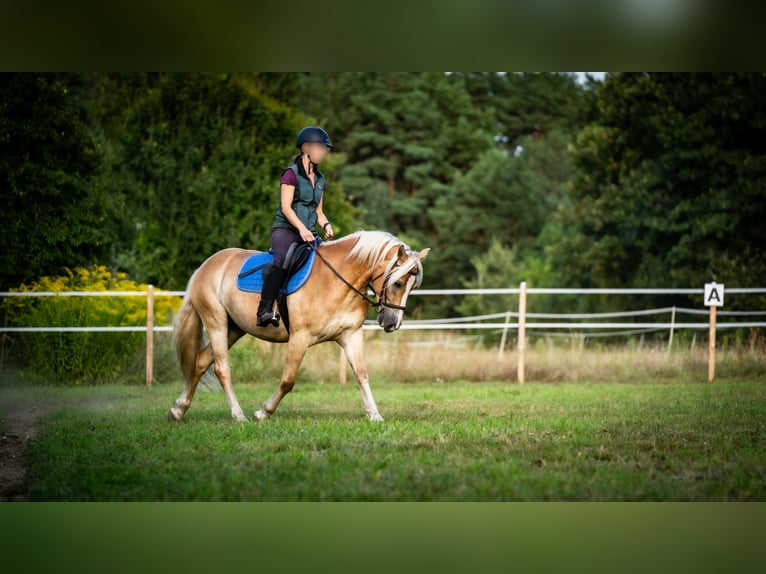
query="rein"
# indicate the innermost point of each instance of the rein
(378, 302)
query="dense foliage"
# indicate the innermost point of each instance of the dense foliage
(669, 185)
(52, 207)
(192, 167)
(642, 179)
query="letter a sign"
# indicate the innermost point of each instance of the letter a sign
(714, 294)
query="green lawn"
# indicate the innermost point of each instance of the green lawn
(441, 441)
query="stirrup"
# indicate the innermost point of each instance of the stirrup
(265, 321)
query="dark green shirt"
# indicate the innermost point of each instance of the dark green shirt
(305, 199)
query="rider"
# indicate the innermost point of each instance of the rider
(298, 212)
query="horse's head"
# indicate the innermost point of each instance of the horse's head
(402, 272)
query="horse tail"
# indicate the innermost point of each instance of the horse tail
(187, 335)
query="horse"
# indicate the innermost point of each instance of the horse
(331, 306)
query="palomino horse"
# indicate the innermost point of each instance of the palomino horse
(331, 306)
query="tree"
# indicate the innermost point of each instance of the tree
(501, 267)
(504, 196)
(193, 164)
(52, 211)
(452, 160)
(525, 105)
(670, 184)
(404, 138)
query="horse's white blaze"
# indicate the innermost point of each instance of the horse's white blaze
(400, 313)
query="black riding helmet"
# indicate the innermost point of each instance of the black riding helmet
(313, 134)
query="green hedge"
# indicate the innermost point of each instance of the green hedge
(77, 357)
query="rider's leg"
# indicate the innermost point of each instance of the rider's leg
(281, 239)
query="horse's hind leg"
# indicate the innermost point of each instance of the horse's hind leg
(220, 341)
(202, 363)
(205, 358)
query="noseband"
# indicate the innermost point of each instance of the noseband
(381, 299)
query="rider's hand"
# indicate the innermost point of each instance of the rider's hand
(328, 232)
(306, 235)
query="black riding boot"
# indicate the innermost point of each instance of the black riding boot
(267, 315)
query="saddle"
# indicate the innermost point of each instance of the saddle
(299, 261)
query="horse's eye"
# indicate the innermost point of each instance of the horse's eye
(398, 284)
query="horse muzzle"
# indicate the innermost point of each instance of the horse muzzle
(389, 320)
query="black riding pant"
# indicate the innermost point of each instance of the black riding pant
(281, 239)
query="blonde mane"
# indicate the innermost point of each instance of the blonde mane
(371, 247)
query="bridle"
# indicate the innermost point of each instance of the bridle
(381, 299)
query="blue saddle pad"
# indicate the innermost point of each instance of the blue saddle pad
(252, 269)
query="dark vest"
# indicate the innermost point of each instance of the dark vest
(305, 200)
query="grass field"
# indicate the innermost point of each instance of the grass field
(444, 441)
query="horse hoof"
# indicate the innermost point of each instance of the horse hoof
(239, 417)
(376, 418)
(175, 414)
(260, 415)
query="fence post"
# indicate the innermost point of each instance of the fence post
(672, 325)
(711, 349)
(501, 350)
(342, 367)
(522, 329)
(149, 334)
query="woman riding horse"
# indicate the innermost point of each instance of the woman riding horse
(298, 212)
(331, 306)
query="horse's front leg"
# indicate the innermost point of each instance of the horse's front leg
(353, 345)
(296, 350)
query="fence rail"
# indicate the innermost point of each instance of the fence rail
(583, 291)
(461, 323)
(660, 326)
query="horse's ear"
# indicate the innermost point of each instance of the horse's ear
(423, 254)
(402, 252)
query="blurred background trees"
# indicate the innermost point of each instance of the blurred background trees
(638, 180)
(53, 210)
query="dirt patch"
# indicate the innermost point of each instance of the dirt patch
(16, 429)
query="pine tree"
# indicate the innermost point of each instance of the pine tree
(670, 184)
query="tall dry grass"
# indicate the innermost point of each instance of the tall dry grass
(411, 357)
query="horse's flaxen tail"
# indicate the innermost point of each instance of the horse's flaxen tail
(187, 335)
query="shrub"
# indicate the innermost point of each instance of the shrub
(77, 357)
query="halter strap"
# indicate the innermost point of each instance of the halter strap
(378, 302)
